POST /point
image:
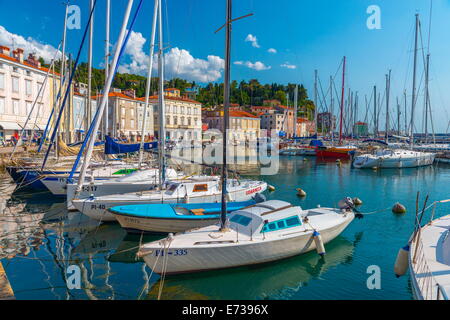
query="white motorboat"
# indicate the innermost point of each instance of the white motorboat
(265, 232)
(137, 181)
(196, 189)
(393, 159)
(56, 183)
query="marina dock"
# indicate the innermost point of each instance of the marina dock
(6, 292)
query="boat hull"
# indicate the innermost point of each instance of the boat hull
(161, 225)
(380, 162)
(197, 259)
(96, 208)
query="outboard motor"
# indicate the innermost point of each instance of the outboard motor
(346, 204)
(259, 198)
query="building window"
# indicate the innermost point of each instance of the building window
(175, 120)
(189, 121)
(16, 107)
(122, 123)
(40, 89)
(132, 124)
(2, 81)
(168, 120)
(15, 69)
(2, 105)
(28, 108)
(28, 87)
(174, 109)
(132, 112)
(15, 84)
(123, 111)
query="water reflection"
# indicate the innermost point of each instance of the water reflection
(275, 280)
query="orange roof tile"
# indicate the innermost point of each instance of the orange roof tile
(241, 114)
(171, 98)
(25, 63)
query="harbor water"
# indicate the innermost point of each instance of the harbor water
(40, 240)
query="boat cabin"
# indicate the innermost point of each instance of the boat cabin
(268, 217)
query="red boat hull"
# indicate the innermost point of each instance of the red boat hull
(333, 154)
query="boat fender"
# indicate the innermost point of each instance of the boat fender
(357, 201)
(401, 263)
(271, 188)
(301, 192)
(398, 208)
(319, 243)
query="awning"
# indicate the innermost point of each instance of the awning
(29, 126)
(9, 125)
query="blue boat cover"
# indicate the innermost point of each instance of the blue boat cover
(316, 143)
(112, 147)
(167, 211)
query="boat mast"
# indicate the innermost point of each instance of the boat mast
(331, 111)
(295, 110)
(426, 97)
(342, 102)
(398, 117)
(108, 19)
(375, 126)
(413, 102)
(101, 106)
(63, 62)
(388, 87)
(315, 102)
(226, 103)
(89, 91)
(149, 80)
(406, 119)
(162, 115)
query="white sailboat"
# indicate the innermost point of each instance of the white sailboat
(108, 180)
(388, 158)
(268, 231)
(398, 158)
(196, 189)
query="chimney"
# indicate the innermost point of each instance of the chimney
(18, 55)
(4, 50)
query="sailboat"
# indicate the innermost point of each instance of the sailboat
(341, 151)
(398, 158)
(194, 189)
(268, 231)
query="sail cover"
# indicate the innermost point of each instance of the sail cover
(112, 147)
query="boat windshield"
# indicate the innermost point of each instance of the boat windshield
(240, 219)
(285, 223)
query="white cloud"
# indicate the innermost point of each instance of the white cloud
(288, 65)
(178, 62)
(258, 65)
(272, 50)
(251, 38)
(30, 45)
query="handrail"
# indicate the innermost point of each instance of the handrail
(427, 282)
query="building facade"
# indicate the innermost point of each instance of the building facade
(22, 86)
(244, 125)
(183, 116)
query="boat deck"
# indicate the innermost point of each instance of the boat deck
(6, 292)
(431, 271)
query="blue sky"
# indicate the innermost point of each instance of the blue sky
(309, 35)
